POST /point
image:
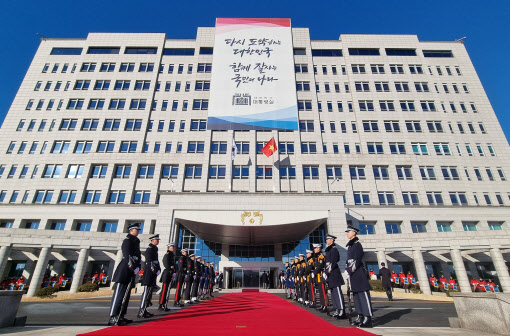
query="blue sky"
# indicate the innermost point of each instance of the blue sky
(483, 22)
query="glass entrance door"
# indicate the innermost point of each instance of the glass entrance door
(251, 278)
(237, 278)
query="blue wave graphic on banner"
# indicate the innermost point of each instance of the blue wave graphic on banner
(284, 119)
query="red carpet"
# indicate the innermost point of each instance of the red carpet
(237, 314)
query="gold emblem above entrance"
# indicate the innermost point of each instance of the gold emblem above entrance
(247, 214)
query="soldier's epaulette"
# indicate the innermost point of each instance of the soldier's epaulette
(321, 256)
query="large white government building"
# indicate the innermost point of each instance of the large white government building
(396, 136)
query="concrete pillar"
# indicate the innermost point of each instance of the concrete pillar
(5, 250)
(40, 268)
(381, 257)
(81, 266)
(460, 270)
(421, 272)
(499, 264)
(278, 252)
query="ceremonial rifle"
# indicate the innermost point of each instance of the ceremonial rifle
(349, 304)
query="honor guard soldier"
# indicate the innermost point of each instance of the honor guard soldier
(211, 279)
(386, 281)
(297, 279)
(302, 279)
(319, 263)
(181, 275)
(310, 290)
(150, 274)
(189, 278)
(166, 277)
(197, 274)
(359, 279)
(201, 290)
(290, 279)
(124, 276)
(334, 277)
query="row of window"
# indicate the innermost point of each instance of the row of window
(127, 67)
(139, 85)
(395, 227)
(59, 225)
(385, 198)
(218, 147)
(378, 69)
(147, 171)
(115, 104)
(385, 106)
(384, 86)
(374, 52)
(109, 125)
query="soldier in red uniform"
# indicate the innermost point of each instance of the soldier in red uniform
(443, 283)
(20, 282)
(433, 282)
(492, 286)
(46, 281)
(102, 276)
(61, 279)
(407, 286)
(394, 277)
(452, 283)
(481, 285)
(4, 284)
(401, 277)
(53, 280)
(95, 278)
(474, 284)
(371, 275)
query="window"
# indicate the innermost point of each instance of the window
(386, 198)
(310, 172)
(128, 146)
(52, 171)
(89, 124)
(377, 68)
(306, 126)
(105, 146)
(415, 69)
(393, 228)
(326, 52)
(203, 68)
(361, 198)
(304, 105)
(420, 148)
(301, 68)
(43, 196)
(111, 125)
(146, 67)
(469, 226)
(358, 68)
(82, 147)
(169, 171)
(396, 68)
(407, 105)
(288, 172)
(98, 171)
(419, 227)
(29, 104)
(428, 106)
(489, 174)
(22, 147)
(357, 172)
(386, 105)
(142, 85)
(496, 226)
(122, 171)
(88, 67)
(437, 53)
(435, 126)
(286, 147)
(427, 173)
(202, 86)
(60, 147)
(33, 148)
(442, 148)
(363, 52)
(366, 228)
(303, 86)
(397, 148)
(217, 171)
(391, 126)
(146, 171)
(74, 171)
(334, 172)
(370, 126)
(402, 86)
(200, 104)
(366, 105)
(264, 172)
(92, 196)
(501, 174)
(375, 148)
(137, 104)
(362, 87)
(404, 173)
(308, 148)
(382, 86)
(133, 125)
(421, 86)
(68, 124)
(75, 104)
(458, 198)
(435, 198)
(193, 172)
(410, 198)
(381, 172)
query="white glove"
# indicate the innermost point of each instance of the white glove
(159, 272)
(325, 276)
(313, 275)
(136, 270)
(346, 275)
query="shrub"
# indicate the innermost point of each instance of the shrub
(46, 292)
(88, 287)
(416, 291)
(376, 285)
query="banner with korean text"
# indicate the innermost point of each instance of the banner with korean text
(253, 84)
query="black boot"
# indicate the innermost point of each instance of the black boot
(114, 321)
(358, 320)
(141, 313)
(342, 315)
(367, 322)
(336, 313)
(178, 304)
(161, 307)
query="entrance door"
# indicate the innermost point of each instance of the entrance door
(251, 278)
(237, 278)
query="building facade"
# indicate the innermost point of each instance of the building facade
(396, 136)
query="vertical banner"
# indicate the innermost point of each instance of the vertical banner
(253, 85)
